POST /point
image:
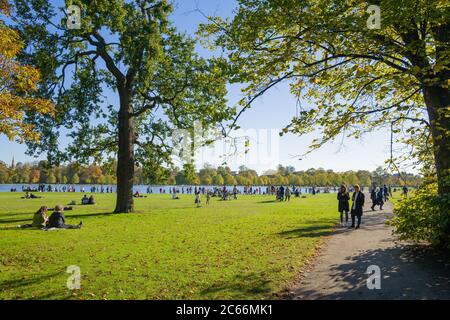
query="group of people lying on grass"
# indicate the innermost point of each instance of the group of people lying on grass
(57, 220)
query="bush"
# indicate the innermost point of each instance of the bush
(425, 216)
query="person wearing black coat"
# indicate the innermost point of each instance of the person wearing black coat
(57, 220)
(380, 201)
(373, 197)
(357, 206)
(343, 198)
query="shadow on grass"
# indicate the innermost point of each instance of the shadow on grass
(313, 231)
(240, 287)
(15, 220)
(88, 215)
(407, 272)
(269, 201)
(20, 282)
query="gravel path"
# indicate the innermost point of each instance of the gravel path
(407, 272)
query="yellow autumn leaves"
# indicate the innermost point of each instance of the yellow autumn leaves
(17, 83)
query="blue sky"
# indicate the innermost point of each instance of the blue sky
(272, 111)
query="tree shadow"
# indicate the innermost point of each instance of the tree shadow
(269, 201)
(312, 231)
(240, 286)
(88, 215)
(315, 229)
(20, 282)
(407, 272)
(15, 220)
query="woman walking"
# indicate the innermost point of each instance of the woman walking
(343, 206)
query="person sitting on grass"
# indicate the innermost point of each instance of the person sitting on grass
(85, 200)
(138, 195)
(57, 220)
(40, 219)
(91, 200)
(30, 196)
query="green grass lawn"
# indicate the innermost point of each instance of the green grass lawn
(248, 248)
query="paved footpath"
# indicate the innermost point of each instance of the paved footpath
(407, 272)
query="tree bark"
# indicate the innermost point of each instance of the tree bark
(125, 155)
(437, 100)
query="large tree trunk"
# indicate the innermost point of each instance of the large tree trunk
(125, 155)
(437, 100)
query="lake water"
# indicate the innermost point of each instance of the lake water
(141, 188)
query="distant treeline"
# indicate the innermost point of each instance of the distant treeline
(39, 172)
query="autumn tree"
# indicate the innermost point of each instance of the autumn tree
(129, 49)
(357, 76)
(18, 85)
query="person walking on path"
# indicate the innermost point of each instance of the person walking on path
(339, 271)
(380, 196)
(343, 198)
(385, 193)
(357, 206)
(373, 197)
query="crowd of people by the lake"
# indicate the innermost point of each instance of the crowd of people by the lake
(64, 188)
(246, 190)
(378, 195)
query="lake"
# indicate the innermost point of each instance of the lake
(140, 188)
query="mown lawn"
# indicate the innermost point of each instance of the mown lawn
(248, 248)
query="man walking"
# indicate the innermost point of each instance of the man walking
(357, 206)
(385, 193)
(373, 197)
